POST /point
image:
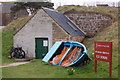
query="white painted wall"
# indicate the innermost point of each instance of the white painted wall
(40, 26)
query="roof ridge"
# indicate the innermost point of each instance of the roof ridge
(52, 10)
(49, 9)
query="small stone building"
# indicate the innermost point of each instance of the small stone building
(46, 27)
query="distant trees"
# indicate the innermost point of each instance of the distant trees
(17, 6)
(30, 5)
(38, 5)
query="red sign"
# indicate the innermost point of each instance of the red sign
(103, 52)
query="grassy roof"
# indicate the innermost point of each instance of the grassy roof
(106, 10)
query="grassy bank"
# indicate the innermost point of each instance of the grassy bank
(108, 34)
(7, 37)
(0, 53)
(111, 11)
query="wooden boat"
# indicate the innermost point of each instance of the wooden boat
(65, 53)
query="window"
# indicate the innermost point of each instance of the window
(45, 42)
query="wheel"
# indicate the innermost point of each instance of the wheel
(12, 55)
(22, 54)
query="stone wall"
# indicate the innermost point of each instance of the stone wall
(77, 38)
(6, 19)
(61, 35)
(22, 13)
(91, 23)
(19, 14)
(1, 19)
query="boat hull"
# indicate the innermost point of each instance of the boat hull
(64, 53)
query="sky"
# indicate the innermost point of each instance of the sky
(81, 2)
(75, 2)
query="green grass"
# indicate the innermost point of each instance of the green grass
(0, 53)
(108, 34)
(37, 69)
(7, 37)
(112, 11)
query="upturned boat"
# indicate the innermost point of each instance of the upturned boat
(66, 54)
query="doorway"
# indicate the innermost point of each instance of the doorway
(41, 47)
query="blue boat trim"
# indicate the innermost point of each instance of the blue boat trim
(52, 51)
(56, 46)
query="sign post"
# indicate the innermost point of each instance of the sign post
(103, 52)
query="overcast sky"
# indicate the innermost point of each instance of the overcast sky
(74, 2)
(81, 2)
(71, 1)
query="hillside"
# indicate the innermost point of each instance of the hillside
(0, 43)
(112, 11)
(109, 33)
(90, 19)
(7, 37)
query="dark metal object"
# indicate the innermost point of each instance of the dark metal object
(17, 53)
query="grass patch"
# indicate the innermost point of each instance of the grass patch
(37, 69)
(0, 53)
(108, 34)
(111, 11)
(7, 37)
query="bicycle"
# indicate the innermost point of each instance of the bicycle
(17, 53)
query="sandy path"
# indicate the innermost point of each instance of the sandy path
(2, 27)
(15, 64)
